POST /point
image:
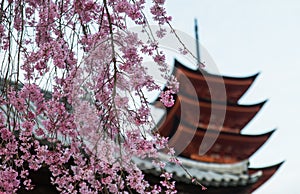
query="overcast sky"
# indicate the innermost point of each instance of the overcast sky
(245, 37)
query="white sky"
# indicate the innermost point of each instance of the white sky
(249, 36)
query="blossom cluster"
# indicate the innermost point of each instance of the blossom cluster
(72, 82)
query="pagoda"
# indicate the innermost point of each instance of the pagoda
(211, 148)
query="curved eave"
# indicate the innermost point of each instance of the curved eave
(235, 116)
(189, 188)
(267, 173)
(222, 105)
(218, 115)
(222, 176)
(197, 73)
(229, 106)
(211, 87)
(237, 147)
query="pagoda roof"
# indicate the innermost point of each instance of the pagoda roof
(221, 116)
(267, 173)
(211, 86)
(219, 147)
(246, 184)
(209, 176)
(219, 178)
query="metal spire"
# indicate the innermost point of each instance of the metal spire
(197, 42)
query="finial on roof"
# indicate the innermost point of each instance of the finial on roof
(197, 42)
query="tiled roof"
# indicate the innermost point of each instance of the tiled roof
(209, 174)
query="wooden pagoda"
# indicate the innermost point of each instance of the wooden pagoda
(224, 166)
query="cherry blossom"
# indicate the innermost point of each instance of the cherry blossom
(72, 82)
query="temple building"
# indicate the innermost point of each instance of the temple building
(212, 148)
(204, 127)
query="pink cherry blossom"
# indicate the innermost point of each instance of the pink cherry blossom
(72, 95)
